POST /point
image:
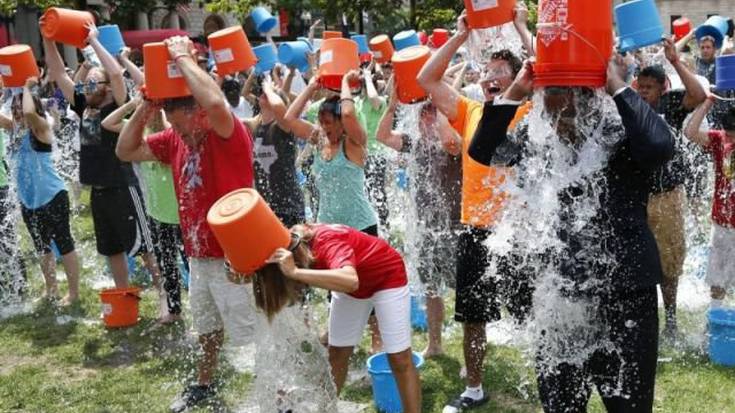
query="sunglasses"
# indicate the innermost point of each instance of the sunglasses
(90, 86)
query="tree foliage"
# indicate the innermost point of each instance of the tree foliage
(9, 7)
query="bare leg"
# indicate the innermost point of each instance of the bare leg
(71, 267)
(407, 379)
(475, 346)
(48, 268)
(339, 358)
(435, 316)
(211, 345)
(119, 268)
(377, 340)
(149, 260)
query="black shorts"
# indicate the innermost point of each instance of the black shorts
(477, 292)
(120, 222)
(50, 223)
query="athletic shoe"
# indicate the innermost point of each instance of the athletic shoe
(192, 396)
(463, 404)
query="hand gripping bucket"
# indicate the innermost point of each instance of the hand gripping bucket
(438, 38)
(163, 80)
(66, 26)
(331, 34)
(406, 38)
(722, 336)
(715, 26)
(382, 48)
(247, 229)
(263, 19)
(407, 64)
(120, 306)
(681, 27)
(573, 44)
(639, 24)
(111, 39)
(17, 64)
(294, 54)
(725, 72)
(482, 14)
(336, 58)
(267, 58)
(385, 391)
(231, 50)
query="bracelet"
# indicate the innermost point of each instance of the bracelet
(347, 99)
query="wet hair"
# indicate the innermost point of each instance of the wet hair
(232, 89)
(506, 55)
(186, 103)
(655, 72)
(728, 119)
(331, 106)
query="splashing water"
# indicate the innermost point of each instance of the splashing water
(484, 42)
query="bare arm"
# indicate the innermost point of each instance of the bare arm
(374, 97)
(343, 279)
(113, 69)
(38, 124)
(695, 93)
(292, 120)
(135, 73)
(520, 21)
(131, 144)
(450, 139)
(459, 79)
(351, 124)
(286, 89)
(114, 121)
(684, 41)
(692, 131)
(5, 122)
(57, 71)
(276, 104)
(385, 133)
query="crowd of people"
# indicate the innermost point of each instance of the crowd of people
(154, 169)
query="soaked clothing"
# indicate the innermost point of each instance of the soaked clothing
(706, 69)
(50, 223)
(160, 197)
(168, 245)
(3, 170)
(675, 172)
(723, 203)
(36, 178)
(120, 222)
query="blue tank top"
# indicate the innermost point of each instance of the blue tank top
(36, 179)
(342, 195)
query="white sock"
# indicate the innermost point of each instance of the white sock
(474, 393)
(715, 303)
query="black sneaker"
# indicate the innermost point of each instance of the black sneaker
(192, 396)
(462, 404)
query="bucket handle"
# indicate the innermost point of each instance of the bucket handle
(134, 295)
(568, 28)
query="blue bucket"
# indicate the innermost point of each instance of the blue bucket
(385, 391)
(111, 39)
(306, 39)
(263, 19)
(639, 24)
(294, 54)
(725, 72)
(267, 58)
(418, 313)
(362, 43)
(406, 38)
(715, 26)
(722, 336)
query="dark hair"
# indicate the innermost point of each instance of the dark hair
(728, 119)
(232, 89)
(187, 102)
(515, 63)
(332, 106)
(655, 72)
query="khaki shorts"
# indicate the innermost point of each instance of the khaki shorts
(666, 220)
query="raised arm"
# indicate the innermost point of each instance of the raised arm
(354, 130)
(38, 124)
(520, 21)
(56, 69)
(684, 41)
(135, 73)
(276, 104)
(373, 96)
(292, 120)
(114, 121)
(248, 87)
(692, 130)
(343, 279)
(385, 133)
(695, 93)
(6, 122)
(131, 144)
(113, 69)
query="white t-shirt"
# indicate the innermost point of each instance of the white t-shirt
(243, 109)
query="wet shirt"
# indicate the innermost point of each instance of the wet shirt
(706, 69)
(160, 196)
(98, 164)
(37, 180)
(202, 175)
(675, 172)
(379, 267)
(369, 117)
(723, 203)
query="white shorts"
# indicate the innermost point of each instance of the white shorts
(217, 303)
(721, 271)
(348, 317)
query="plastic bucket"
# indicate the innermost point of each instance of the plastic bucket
(331, 34)
(722, 336)
(573, 47)
(231, 50)
(423, 38)
(418, 313)
(385, 391)
(336, 58)
(120, 306)
(17, 64)
(163, 80)
(406, 38)
(362, 43)
(725, 72)
(681, 27)
(639, 24)
(715, 26)
(263, 19)
(247, 229)
(66, 26)
(267, 58)
(294, 54)
(382, 48)
(439, 37)
(111, 39)
(489, 13)
(407, 64)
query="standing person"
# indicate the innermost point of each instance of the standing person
(119, 220)
(477, 295)
(43, 197)
(211, 154)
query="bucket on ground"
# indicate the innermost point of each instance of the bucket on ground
(681, 27)
(111, 38)
(66, 26)
(722, 336)
(267, 58)
(573, 48)
(406, 38)
(382, 48)
(716, 27)
(295, 54)
(331, 34)
(163, 80)
(336, 58)
(385, 391)
(263, 19)
(418, 313)
(638, 24)
(17, 64)
(439, 37)
(120, 306)
(725, 72)
(247, 229)
(407, 64)
(231, 50)
(482, 14)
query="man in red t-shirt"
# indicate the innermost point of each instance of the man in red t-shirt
(210, 154)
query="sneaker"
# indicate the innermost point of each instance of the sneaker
(192, 396)
(462, 404)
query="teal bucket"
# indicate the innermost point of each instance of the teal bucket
(294, 54)
(111, 39)
(715, 26)
(263, 19)
(722, 336)
(362, 43)
(406, 38)
(385, 391)
(638, 24)
(267, 58)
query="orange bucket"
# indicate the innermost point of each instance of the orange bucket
(407, 64)
(336, 58)
(247, 229)
(17, 64)
(331, 34)
(482, 14)
(382, 48)
(66, 26)
(120, 306)
(573, 48)
(163, 80)
(231, 50)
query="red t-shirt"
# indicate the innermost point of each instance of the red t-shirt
(723, 205)
(202, 175)
(379, 267)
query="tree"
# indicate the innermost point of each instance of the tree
(9, 7)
